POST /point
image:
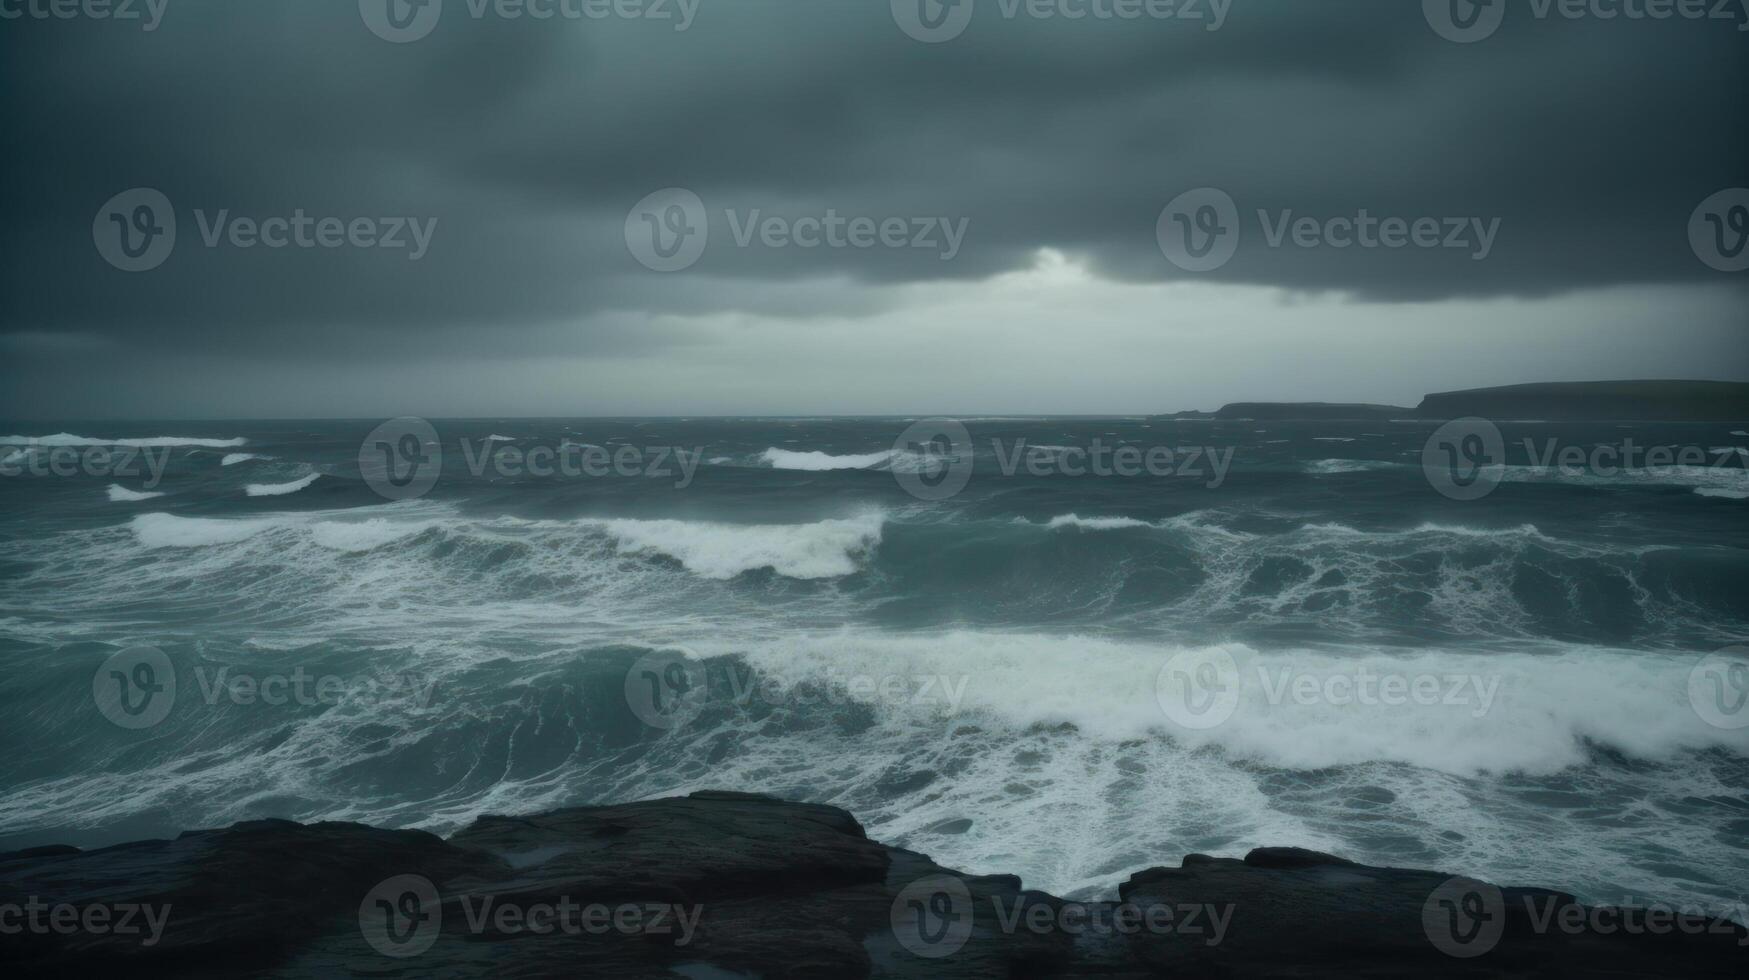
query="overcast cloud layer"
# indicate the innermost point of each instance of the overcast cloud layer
(1585, 145)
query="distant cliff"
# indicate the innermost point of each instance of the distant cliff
(1661, 401)
(1311, 410)
(1669, 401)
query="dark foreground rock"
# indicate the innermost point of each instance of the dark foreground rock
(722, 885)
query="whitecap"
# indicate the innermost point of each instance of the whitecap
(789, 459)
(120, 494)
(280, 489)
(1333, 466)
(825, 549)
(1094, 523)
(68, 439)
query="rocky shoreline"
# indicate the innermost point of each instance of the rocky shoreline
(730, 885)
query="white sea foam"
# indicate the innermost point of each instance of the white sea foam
(1058, 749)
(280, 489)
(1545, 705)
(232, 459)
(1719, 477)
(1095, 523)
(366, 535)
(825, 549)
(68, 439)
(709, 550)
(789, 459)
(170, 531)
(120, 494)
(1332, 466)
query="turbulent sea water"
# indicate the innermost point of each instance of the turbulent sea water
(977, 677)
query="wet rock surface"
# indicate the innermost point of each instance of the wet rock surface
(727, 885)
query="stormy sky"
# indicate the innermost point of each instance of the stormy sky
(1563, 160)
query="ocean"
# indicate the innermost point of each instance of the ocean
(1065, 648)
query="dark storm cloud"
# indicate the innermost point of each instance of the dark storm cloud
(527, 142)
